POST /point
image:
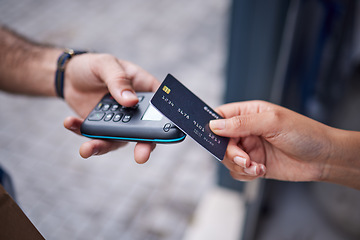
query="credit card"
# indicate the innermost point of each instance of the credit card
(190, 114)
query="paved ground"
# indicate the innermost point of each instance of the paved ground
(111, 197)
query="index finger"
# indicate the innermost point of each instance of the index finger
(243, 108)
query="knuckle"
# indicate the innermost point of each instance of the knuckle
(273, 116)
(98, 60)
(238, 122)
(276, 116)
(105, 57)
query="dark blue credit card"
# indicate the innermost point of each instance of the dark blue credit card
(190, 114)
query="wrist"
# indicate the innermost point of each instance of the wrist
(39, 70)
(343, 165)
(48, 71)
(62, 61)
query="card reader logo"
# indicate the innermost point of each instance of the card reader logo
(166, 89)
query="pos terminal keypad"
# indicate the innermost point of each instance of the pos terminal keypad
(142, 122)
(109, 110)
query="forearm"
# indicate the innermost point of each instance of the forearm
(26, 67)
(343, 166)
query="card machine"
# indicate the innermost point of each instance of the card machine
(140, 123)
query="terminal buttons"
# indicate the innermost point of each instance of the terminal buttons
(96, 116)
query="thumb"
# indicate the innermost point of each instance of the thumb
(120, 87)
(259, 124)
(119, 83)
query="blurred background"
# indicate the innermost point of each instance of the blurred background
(112, 197)
(300, 54)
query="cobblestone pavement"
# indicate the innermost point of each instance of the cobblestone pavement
(112, 197)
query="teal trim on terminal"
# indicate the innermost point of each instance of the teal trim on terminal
(138, 139)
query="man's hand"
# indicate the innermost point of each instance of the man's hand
(88, 77)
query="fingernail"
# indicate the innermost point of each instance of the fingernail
(251, 170)
(95, 152)
(217, 124)
(262, 170)
(127, 94)
(74, 128)
(240, 161)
